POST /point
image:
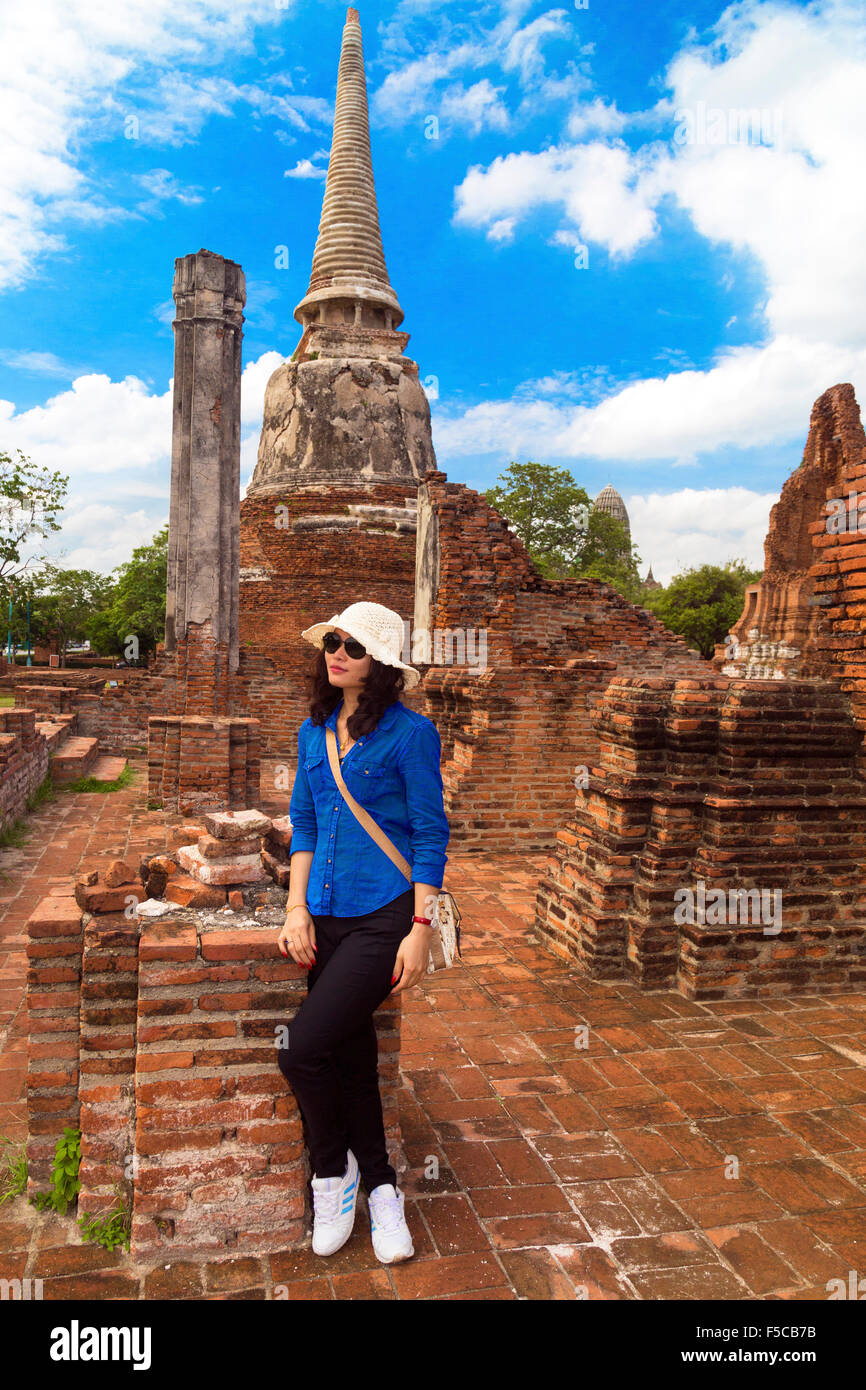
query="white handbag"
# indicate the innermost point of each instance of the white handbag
(445, 923)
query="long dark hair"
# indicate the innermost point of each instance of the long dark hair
(382, 686)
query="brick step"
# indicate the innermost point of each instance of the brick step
(107, 767)
(75, 758)
(56, 728)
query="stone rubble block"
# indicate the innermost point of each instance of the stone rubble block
(280, 833)
(236, 825)
(190, 829)
(278, 869)
(99, 897)
(120, 871)
(162, 864)
(212, 848)
(187, 891)
(234, 868)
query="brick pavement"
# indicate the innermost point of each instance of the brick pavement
(564, 1171)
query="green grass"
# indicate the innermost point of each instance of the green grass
(16, 832)
(90, 784)
(7, 701)
(13, 1169)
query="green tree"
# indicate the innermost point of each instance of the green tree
(137, 606)
(67, 602)
(545, 508)
(565, 536)
(609, 554)
(30, 499)
(703, 603)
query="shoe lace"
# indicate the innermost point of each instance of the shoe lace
(387, 1209)
(326, 1205)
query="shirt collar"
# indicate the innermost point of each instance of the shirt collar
(384, 723)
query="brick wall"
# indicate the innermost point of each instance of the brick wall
(741, 785)
(486, 579)
(839, 577)
(109, 986)
(160, 1040)
(514, 734)
(54, 950)
(23, 761)
(338, 545)
(203, 763)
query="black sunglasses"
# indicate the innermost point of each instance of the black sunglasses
(332, 643)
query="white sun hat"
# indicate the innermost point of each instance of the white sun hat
(377, 628)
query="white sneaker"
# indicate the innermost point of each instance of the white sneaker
(392, 1239)
(334, 1208)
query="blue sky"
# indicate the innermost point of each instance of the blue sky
(627, 238)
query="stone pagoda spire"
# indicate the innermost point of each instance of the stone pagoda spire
(348, 409)
(349, 286)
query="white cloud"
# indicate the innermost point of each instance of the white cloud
(793, 205)
(596, 117)
(121, 432)
(752, 396)
(39, 363)
(491, 36)
(305, 169)
(164, 187)
(72, 70)
(409, 91)
(523, 50)
(692, 527)
(478, 107)
(253, 382)
(599, 187)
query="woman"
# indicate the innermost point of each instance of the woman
(350, 917)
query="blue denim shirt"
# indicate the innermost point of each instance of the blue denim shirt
(394, 772)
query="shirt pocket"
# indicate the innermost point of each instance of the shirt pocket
(372, 782)
(314, 767)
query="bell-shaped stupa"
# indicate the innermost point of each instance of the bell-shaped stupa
(348, 407)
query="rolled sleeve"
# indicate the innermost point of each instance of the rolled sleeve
(420, 765)
(302, 810)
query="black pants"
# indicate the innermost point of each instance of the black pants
(332, 1058)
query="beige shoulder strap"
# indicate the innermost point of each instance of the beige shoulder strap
(360, 814)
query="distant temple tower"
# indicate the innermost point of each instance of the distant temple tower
(651, 582)
(329, 516)
(609, 501)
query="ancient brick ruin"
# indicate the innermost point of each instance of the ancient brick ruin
(796, 616)
(744, 786)
(571, 720)
(748, 783)
(157, 1039)
(518, 664)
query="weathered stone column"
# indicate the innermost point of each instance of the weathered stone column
(200, 754)
(201, 615)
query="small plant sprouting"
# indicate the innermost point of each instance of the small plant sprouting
(110, 1230)
(64, 1174)
(13, 1169)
